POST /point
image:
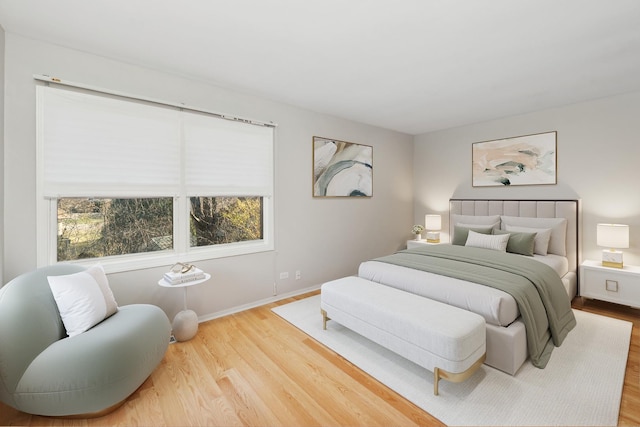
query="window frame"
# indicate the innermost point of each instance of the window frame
(47, 220)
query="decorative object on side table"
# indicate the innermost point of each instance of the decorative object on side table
(182, 275)
(182, 272)
(612, 236)
(433, 225)
(417, 232)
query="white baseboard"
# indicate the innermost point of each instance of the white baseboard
(256, 304)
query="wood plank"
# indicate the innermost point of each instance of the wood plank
(249, 407)
(288, 399)
(305, 366)
(254, 368)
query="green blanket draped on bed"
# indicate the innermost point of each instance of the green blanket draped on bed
(543, 302)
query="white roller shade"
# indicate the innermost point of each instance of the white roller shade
(105, 146)
(224, 157)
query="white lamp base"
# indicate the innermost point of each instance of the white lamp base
(433, 236)
(612, 258)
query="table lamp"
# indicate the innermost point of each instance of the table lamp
(612, 236)
(433, 225)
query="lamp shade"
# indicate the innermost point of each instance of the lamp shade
(613, 235)
(433, 222)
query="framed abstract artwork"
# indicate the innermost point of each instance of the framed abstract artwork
(521, 160)
(342, 169)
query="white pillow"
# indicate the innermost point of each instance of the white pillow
(475, 220)
(84, 299)
(496, 242)
(540, 242)
(494, 226)
(558, 226)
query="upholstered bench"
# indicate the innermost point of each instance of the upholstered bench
(446, 340)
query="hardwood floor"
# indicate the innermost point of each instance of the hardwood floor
(253, 368)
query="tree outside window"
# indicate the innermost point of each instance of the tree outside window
(95, 228)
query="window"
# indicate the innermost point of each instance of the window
(137, 183)
(97, 228)
(219, 220)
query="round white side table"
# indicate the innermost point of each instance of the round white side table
(185, 323)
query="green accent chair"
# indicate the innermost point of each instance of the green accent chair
(44, 372)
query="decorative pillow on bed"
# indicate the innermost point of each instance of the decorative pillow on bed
(470, 220)
(496, 242)
(494, 226)
(84, 299)
(541, 240)
(461, 232)
(558, 226)
(519, 243)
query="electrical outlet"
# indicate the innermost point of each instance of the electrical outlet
(284, 275)
(298, 275)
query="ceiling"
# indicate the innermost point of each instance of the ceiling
(413, 66)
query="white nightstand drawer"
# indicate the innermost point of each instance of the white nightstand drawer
(610, 284)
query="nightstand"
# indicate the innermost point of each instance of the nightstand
(418, 243)
(618, 285)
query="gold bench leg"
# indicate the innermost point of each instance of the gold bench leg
(324, 319)
(456, 378)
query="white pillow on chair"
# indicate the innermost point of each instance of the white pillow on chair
(84, 299)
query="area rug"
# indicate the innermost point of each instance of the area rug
(581, 385)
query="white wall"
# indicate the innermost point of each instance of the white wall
(323, 238)
(598, 161)
(4, 181)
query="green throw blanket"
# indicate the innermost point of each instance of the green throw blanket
(543, 302)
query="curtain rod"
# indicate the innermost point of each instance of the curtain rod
(56, 80)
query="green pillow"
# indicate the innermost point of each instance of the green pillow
(519, 243)
(460, 233)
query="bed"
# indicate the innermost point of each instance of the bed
(549, 230)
